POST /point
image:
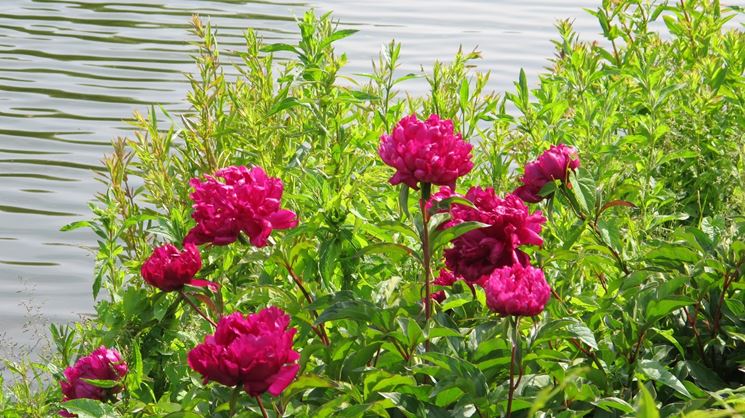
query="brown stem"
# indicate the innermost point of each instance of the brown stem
(639, 343)
(299, 282)
(261, 406)
(693, 320)
(196, 308)
(728, 279)
(320, 330)
(690, 27)
(559, 298)
(589, 353)
(400, 350)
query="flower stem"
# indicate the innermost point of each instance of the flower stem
(320, 330)
(196, 308)
(427, 252)
(514, 323)
(261, 406)
(234, 399)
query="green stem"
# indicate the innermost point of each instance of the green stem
(596, 232)
(427, 251)
(261, 406)
(234, 399)
(514, 323)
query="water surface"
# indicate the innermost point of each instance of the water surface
(72, 71)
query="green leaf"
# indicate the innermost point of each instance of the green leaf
(388, 248)
(411, 330)
(583, 190)
(357, 310)
(329, 255)
(393, 382)
(445, 204)
(674, 253)
(647, 407)
(582, 332)
(456, 301)
(440, 239)
(75, 225)
(279, 47)
(100, 383)
(463, 93)
(657, 372)
(669, 335)
(337, 35)
(657, 309)
(89, 408)
(564, 328)
(403, 201)
(183, 414)
(611, 403)
(284, 104)
(306, 382)
(705, 377)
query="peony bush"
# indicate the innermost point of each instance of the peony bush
(310, 246)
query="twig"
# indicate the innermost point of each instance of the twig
(196, 308)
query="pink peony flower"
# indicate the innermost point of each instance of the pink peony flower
(101, 364)
(247, 201)
(553, 164)
(254, 351)
(439, 296)
(517, 290)
(445, 278)
(477, 253)
(169, 269)
(425, 152)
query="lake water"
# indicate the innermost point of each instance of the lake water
(72, 70)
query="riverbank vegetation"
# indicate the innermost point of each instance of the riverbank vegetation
(307, 243)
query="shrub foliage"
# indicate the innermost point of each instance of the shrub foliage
(644, 244)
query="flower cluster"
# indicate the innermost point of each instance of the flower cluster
(475, 254)
(101, 364)
(253, 351)
(246, 201)
(553, 164)
(169, 269)
(425, 152)
(491, 256)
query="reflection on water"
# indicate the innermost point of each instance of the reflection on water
(71, 71)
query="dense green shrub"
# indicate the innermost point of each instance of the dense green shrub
(644, 248)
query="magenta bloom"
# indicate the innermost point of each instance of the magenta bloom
(445, 192)
(477, 253)
(439, 296)
(169, 269)
(445, 278)
(253, 351)
(101, 364)
(517, 290)
(425, 152)
(553, 164)
(247, 201)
